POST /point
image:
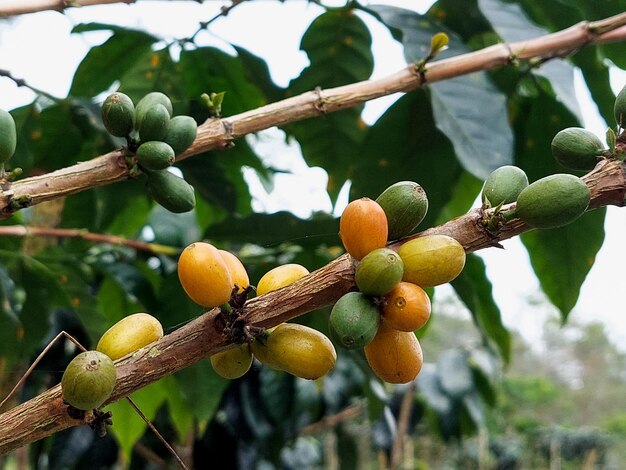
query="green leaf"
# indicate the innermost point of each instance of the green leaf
(28, 129)
(257, 71)
(562, 258)
(105, 63)
(464, 193)
(474, 289)
(338, 45)
(207, 70)
(76, 280)
(155, 71)
(217, 176)
(9, 322)
(438, 42)
(482, 138)
(512, 24)
(128, 427)
(180, 411)
(469, 110)
(274, 229)
(536, 121)
(59, 141)
(113, 301)
(404, 144)
(202, 389)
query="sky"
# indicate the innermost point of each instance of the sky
(47, 61)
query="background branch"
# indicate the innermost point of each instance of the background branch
(46, 414)
(219, 133)
(28, 231)
(21, 7)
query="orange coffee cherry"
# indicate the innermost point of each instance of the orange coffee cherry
(394, 356)
(406, 307)
(204, 275)
(363, 227)
(238, 272)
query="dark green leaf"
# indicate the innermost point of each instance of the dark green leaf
(77, 284)
(210, 70)
(155, 71)
(512, 24)
(258, 72)
(28, 127)
(217, 176)
(105, 63)
(180, 411)
(9, 322)
(338, 46)
(58, 142)
(202, 389)
(175, 308)
(464, 193)
(128, 426)
(536, 121)
(469, 110)
(273, 229)
(562, 258)
(94, 26)
(474, 289)
(404, 144)
(173, 229)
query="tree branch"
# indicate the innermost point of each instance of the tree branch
(27, 231)
(46, 414)
(219, 133)
(21, 7)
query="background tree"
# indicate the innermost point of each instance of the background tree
(448, 132)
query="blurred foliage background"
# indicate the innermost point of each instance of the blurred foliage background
(486, 397)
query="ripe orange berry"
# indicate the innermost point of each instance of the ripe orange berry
(394, 356)
(204, 275)
(280, 276)
(238, 272)
(406, 307)
(363, 227)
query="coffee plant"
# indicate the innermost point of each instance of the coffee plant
(152, 300)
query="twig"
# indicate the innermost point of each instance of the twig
(38, 360)
(82, 348)
(329, 422)
(224, 11)
(219, 133)
(24, 231)
(157, 433)
(404, 419)
(21, 7)
(20, 82)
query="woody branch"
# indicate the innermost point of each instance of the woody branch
(219, 133)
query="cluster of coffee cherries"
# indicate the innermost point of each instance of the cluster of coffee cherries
(390, 302)
(154, 139)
